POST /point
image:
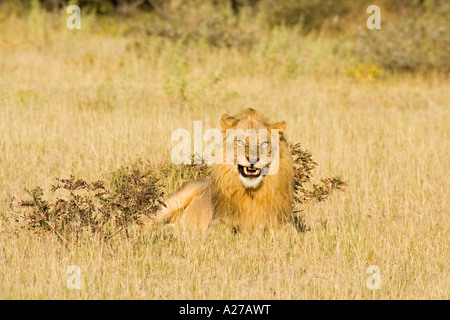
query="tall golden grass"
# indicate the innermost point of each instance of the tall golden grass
(87, 101)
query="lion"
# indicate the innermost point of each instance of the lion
(251, 183)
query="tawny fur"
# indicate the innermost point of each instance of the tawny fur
(200, 204)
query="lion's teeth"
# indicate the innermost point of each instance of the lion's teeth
(251, 171)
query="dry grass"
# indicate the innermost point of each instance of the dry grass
(87, 102)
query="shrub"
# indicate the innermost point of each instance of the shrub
(91, 208)
(413, 43)
(135, 193)
(310, 14)
(303, 174)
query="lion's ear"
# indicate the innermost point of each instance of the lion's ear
(280, 126)
(227, 121)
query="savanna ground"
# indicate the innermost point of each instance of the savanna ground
(85, 102)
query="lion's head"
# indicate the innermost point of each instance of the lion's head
(251, 146)
(253, 173)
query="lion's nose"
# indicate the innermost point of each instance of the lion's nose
(252, 160)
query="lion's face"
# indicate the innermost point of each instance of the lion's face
(251, 147)
(252, 158)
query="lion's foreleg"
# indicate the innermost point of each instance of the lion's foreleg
(181, 198)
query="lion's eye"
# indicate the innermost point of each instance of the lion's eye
(240, 143)
(264, 144)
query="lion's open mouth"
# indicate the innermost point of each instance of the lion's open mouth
(249, 172)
